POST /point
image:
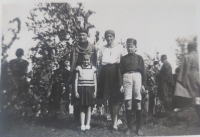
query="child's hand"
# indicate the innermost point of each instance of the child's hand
(122, 89)
(95, 95)
(77, 95)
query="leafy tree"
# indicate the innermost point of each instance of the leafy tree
(55, 26)
(6, 81)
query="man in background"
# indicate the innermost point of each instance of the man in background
(165, 85)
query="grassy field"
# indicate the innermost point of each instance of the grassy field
(184, 123)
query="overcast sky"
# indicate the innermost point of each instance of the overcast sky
(155, 24)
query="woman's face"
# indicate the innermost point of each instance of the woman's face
(109, 38)
(131, 48)
(82, 37)
(86, 61)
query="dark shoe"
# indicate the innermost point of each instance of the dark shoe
(114, 131)
(128, 132)
(140, 133)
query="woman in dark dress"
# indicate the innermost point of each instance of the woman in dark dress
(110, 77)
(17, 72)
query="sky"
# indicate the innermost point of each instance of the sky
(154, 24)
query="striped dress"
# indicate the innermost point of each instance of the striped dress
(86, 86)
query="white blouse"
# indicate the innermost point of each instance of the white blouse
(111, 55)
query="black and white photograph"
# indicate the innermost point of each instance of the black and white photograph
(99, 68)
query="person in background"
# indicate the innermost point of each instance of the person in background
(154, 86)
(18, 70)
(76, 56)
(175, 100)
(188, 82)
(60, 88)
(134, 80)
(165, 85)
(85, 91)
(110, 76)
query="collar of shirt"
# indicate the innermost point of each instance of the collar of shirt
(131, 54)
(112, 45)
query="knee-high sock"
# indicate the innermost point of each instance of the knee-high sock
(129, 118)
(197, 107)
(138, 119)
(77, 113)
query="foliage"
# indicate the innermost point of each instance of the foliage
(6, 82)
(55, 26)
(182, 45)
(15, 33)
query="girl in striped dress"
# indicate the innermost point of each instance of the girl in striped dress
(85, 90)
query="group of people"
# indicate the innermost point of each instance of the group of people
(112, 75)
(118, 76)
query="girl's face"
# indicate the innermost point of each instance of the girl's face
(86, 62)
(109, 38)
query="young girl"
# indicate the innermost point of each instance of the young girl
(85, 90)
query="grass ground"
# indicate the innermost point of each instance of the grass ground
(185, 123)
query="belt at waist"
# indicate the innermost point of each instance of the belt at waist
(131, 72)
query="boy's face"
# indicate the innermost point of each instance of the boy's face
(86, 61)
(66, 63)
(157, 65)
(131, 48)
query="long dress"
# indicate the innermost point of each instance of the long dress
(188, 82)
(110, 79)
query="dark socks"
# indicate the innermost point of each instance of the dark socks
(138, 119)
(129, 118)
(77, 114)
(197, 107)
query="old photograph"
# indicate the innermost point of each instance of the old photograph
(99, 68)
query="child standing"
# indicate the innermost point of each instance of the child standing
(133, 73)
(85, 90)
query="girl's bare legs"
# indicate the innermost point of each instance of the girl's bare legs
(88, 116)
(82, 117)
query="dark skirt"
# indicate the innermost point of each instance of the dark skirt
(86, 95)
(109, 83)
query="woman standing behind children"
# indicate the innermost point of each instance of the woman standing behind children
(85, 90)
